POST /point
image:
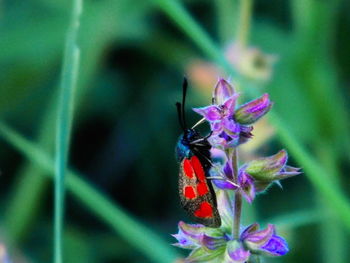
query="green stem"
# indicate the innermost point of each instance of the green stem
(243, 28)
(238, 196)
(226, 13)
(63, 128)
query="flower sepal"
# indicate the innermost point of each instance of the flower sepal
(269, 169)
(191, 236)
(235, 252)
(203, 255)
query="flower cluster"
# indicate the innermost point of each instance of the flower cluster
(231, 126)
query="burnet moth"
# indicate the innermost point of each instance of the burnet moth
(193, 153)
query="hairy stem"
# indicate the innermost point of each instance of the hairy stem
(238, 196)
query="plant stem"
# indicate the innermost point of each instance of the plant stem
(243, 29)
(238, 196)
(64, 124)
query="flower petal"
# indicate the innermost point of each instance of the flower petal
(188, 235)
(245, 134)
(246, 183)
(253, 110)
(211, 113)
(225, 185)
(231, 127)
(228, 170)
(223, 90)
(276, 246)
(255, 240)
(230, 104)
(184, 241)
(249, 229)
(216, 127)
(287, 171)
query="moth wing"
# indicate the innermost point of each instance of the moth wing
(197, 194)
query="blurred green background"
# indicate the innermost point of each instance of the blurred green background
(122, 202)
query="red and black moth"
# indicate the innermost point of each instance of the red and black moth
(196, 191)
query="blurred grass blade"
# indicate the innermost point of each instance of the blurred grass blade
(183, 19)
(24, 202)
(245, 14)
(64, 123)
(298, 219)
(313, 170)
(142, 238)
(226, 17)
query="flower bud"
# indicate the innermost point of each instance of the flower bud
(276, 246)
(223, 90)
(251, 62)
(252, 111)
(266, 169)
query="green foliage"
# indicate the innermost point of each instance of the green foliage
(133, 55)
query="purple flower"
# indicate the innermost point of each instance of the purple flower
(225, 129)
(227, 181)
(264, 242)
(245, 182)
(229, 126)
(258, 242)
(217, 243)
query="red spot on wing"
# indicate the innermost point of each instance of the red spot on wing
(187, 166)
(198, 168)
(205, 210)
(202, 188)
(189, 192)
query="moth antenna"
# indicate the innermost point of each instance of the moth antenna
(184, 92)
(180, 115)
